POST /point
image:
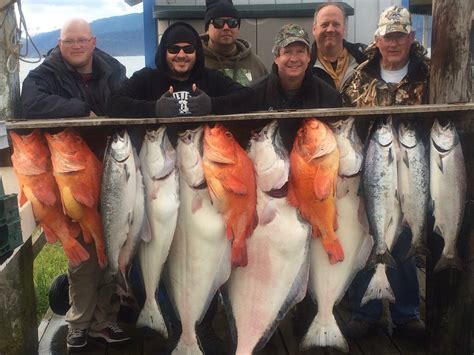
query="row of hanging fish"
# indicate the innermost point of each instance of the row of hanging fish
(263, 226)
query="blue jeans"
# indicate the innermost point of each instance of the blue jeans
(404, 283)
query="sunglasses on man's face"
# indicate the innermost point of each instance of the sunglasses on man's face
(219, 22)
(175, 49)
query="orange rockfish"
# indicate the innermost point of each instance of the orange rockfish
(231, 180)
(78, 174)
(32, 163)
(314, 162)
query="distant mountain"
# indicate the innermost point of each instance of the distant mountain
(118, 36)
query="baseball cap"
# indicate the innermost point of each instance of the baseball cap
(289, 34)
(394, 19)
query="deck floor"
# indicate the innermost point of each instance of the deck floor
(382, 341)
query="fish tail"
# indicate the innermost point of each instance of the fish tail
(333, 248)
(445, 262)
(417, 249)
(185, 349)
(322, 333)
(151, 317)
(239, 253)
(379, 287)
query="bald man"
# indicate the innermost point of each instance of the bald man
(75, 80)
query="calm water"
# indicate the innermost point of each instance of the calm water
(132, 64)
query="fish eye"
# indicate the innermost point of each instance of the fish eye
(228, 134)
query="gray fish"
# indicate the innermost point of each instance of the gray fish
(122, 216)
(448, 190)
(413, 185)
(379, 183)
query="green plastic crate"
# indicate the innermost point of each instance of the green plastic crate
(10, 236)
(8, 209)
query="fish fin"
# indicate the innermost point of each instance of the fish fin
(51, 237)
(438, 230)
(379, 287)
(127, 172)
(87, 236)
(145, 232)
(391, 156)
(324, 333)
(268, 214)
(444, 263)
(388, 260)
(405, 159)
(439, 162)
(323, 184)
(333, 248)
(22, 199)
(184, 348)
(233, 184)
(81, 193)
(239, 253)
(196, 204)
(432, 206)
(216, 156)
(75, 252)
(65, 167)
(229, 232)
(417, 249)
(315, 232)
(151, 317)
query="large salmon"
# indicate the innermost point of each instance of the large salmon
(258, 296)
(314, 163)
(78, 174)
(158, 164)
(231, 179)
(199, 260)
(448, 190)
(32, 164)
(328, 283)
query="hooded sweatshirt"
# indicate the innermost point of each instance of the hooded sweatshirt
(138, 95)
(242, 66)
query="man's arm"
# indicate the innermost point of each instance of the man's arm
(38, 100)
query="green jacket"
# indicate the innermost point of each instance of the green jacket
(366, 88)
(243, 67)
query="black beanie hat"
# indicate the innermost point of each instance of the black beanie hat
(181, 33)
(219, 8)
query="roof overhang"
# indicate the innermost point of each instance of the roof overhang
(420, 7)
(133, 2)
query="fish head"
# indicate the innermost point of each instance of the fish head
(157, 155)
(31, 154)
(384, 133)
(444, 137)
(270, 158)
(407, 135)
(67, 150)
(349, 145)
(219, 145)
(121, 146)
(314, 139)
(189, 156)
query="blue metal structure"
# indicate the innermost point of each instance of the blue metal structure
(150, 33)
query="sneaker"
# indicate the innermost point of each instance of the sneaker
(111, 334)
(76, 338)
(358, 328)
(414, 328)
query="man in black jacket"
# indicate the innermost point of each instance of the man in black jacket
(180, 84)
(75, 80)
(333, 57)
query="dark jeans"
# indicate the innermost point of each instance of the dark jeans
(404, 283)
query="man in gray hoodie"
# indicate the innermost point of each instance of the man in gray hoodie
(223, 50)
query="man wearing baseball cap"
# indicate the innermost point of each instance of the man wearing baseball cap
(396, 73)
(291, 84)
(223, 50)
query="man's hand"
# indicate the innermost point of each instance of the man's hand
(167, 105)
(199, 103)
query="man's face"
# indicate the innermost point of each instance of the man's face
(395, 49)
(180, 63)
(328, 31)
(292, 61)
(225, 35)
(77, 45)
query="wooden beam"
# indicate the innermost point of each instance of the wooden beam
(419, 111)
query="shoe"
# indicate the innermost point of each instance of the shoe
(111, 334)
(76, 338)
(358, 328)
(209, 341)
(414, 328)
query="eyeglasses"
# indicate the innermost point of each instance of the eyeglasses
(219, 22)
(175, 49)
(80, 41)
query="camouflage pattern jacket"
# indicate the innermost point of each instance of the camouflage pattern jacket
(366, 88)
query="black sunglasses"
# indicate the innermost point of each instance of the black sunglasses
(219, 22)
(175, 49)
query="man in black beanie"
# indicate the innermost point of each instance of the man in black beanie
(180, 84)
(223, 50)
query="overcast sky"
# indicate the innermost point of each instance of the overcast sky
(48, 15)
